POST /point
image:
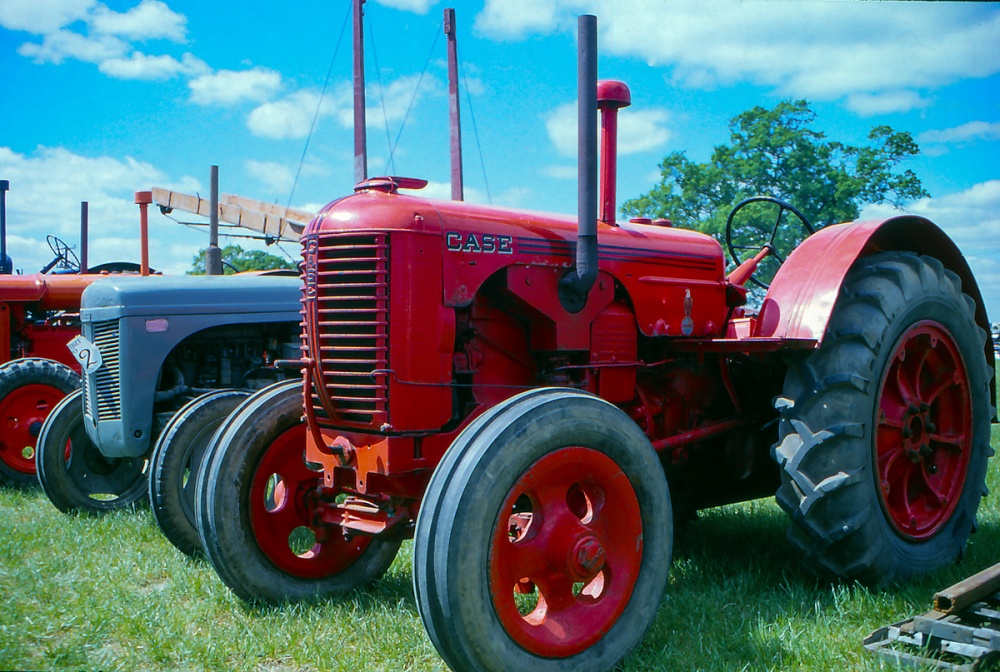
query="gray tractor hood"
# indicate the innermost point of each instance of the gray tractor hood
(132, 296)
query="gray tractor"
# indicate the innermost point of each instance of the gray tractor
(164, 360)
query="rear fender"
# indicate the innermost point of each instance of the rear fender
(801, 297)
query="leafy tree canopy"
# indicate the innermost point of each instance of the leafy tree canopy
(236, 260)
(776, 152)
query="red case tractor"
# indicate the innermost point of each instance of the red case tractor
(534, 401)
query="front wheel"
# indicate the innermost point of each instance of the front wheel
(544, 539)
(254, 501)
(884, 432)
(29, 390)
(173, 466)
(73, 472)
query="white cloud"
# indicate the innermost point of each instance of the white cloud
(62, 44)
(415, 6)
(871, 104)
(292, 116)
(275, 176)
(972, 219)
(141, 66)
(42, 16)
(969, 132)
(816, 50)
(515, 19)
(229, 87)
(150, 19)
(106, 37)
(638, 130)
(47, 187)
(642, 130)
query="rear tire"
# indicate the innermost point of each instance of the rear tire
(544, 538)
(29, 390)
(253, 505)
(75, 475)
(173, 466)
(885, 429)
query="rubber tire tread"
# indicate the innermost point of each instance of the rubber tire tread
(189, 431)
(827, 415)
(461, 622)
(14, 375)
(223, 517)
(65, 422)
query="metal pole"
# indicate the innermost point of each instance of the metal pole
(213, 255)
(143, 199)
(360, 143)
(457, 190)
(4, 269)
(84, 234)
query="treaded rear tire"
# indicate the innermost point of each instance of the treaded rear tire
(842, 500)
(29, 389)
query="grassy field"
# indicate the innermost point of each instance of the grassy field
(113, 594)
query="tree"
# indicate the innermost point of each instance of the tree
(236, 260)
(777, 153)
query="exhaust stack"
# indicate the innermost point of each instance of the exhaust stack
(575, 285)
(6, 266)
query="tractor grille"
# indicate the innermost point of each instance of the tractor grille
(103, 391)
(346, 324)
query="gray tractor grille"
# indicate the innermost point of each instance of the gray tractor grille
(103, 389)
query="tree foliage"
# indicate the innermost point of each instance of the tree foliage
(237, 260)
(776, 152)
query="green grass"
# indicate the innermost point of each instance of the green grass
(112, 594)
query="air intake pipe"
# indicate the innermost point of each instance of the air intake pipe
(575, 285)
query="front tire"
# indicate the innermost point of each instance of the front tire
(254, 502)
(73, 472)
(884, 432)
(544, 539)
(29, 390)
(173, 466)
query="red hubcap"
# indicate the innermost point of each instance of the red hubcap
(281, 513)
(565, 553)
(22, 413)
(924, 435)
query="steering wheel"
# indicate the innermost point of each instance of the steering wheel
(757, 235)
(65, 257)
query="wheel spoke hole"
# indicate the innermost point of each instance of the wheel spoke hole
(529, 601)
(28, 452)
(584, 501)
(275, 493)
(302, 542)
(589, 591)
(520, 520)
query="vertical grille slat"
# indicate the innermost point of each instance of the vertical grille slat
(103, 390)
(346, 324)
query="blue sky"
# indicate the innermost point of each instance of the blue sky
(101, 99)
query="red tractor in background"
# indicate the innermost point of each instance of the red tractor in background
(534, 400)
(39, 314)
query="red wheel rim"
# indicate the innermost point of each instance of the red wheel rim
(22, 413)
(924, 435)
(281, 514)
(565, 552)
